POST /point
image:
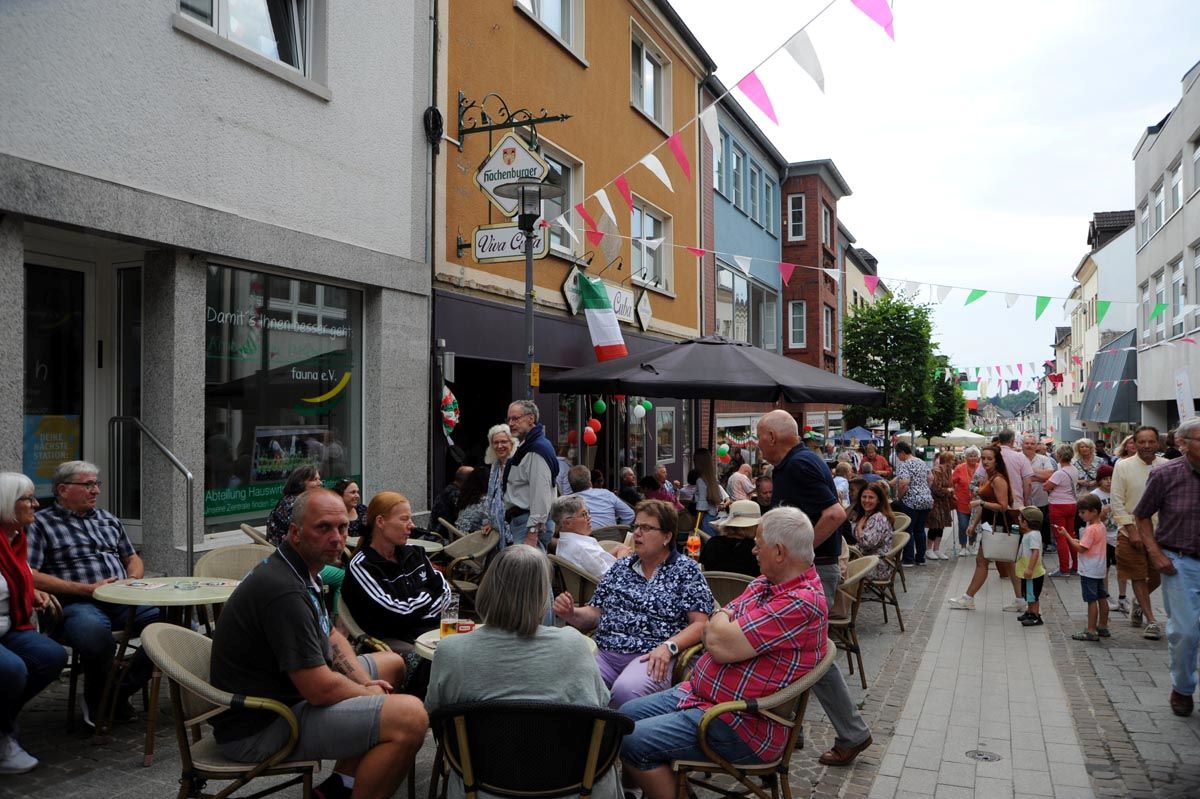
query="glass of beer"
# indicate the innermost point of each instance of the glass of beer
(450, 617)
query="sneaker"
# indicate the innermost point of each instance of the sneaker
(1135, 615)
(1103, 632)
(1112, 605)
(1024, 616)
(1152, 632)
(14, 759)
(963, 602)
(1060, 574)
(1034, 620)
(332, 788)
(964, 552)
(908, 564)
(1016, 606)
(1123, 605)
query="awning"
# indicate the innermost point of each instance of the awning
(1111, 395)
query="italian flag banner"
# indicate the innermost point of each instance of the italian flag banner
(602, 322)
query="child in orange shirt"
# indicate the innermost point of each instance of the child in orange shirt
(1092, 546)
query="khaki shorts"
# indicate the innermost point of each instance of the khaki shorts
(1132, 563)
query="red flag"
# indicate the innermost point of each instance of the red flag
(623, 186)
(676, 146)
(591, 223)
(785, 271)
(697, 251)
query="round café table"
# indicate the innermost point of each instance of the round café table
(426, 643)
(430, 547)
(175, 595)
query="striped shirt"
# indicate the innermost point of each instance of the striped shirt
(787, 625)
(80, 548)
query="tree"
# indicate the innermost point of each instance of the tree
(886, 344)
(948, 406)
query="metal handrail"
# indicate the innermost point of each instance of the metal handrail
(170, 456)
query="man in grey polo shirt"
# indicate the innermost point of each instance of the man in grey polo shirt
(276, 640)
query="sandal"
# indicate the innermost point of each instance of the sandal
(1086, 635)
(1103, 632)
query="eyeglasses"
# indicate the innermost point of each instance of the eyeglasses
(89, 485)
(583, 514)
(31, 499)
(645, 528)
(518, 417)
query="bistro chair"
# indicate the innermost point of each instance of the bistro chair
(486, 745)
(572, 579)
(468, 558)
(612, 532)
(232, 563)
(901, 525)
(183, 656)
(451, 531)
(787, 707)
(884, 591)
(842, 628)
(726, 586)
(255, 535)
(362, 641)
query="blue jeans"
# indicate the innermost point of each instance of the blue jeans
(914, 550)
(29, 661)
(1181, 595)
(663, 733)
(517, 529)
(706, 520)
(87, 628)
(964, 520)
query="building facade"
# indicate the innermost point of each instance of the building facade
(223, 234)
(1166, 165)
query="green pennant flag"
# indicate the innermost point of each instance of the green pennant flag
(1040, 307)
(1101, 309)
(1157, 312)
(974, 295)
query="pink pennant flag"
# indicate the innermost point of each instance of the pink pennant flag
(623, 186)
(752, 87)
(785, 271)
(595, 237)
(676, 145)
(591, 223)
(998, 372)
(543, 223)
(1021, 369)
(872, 282)
(697, 251)
(1188, 340)
(1075, 359)
(879, 12)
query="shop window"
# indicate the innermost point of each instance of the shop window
(283, 388)
(664, 435)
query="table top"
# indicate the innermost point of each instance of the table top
(430, 547)
(161, 591)
(426, 643)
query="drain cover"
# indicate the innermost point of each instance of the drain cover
(983, 756)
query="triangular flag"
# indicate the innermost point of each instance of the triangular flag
(1157, 312)
(880, 12)
(591, 223)
(911, 286)
(752, 87)
(602, 322)
(743, 262)
(785, 271)
(697, 251)
(602, 198)
(872, 282)
(711, 125)
(1101, 309)
(1011, 299)
(676, 145)
(1021, 369)
(652, 244)
(974, 295)
(623, 186)
(943, 292)
(1075, 359)
(1185, 339)
(562, 222)
(833, 273)
(1040, 307)
(594, 237)
(651, 162)
(800, 48)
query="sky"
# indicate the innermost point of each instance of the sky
(977, 145)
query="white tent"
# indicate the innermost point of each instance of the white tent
(957, 438)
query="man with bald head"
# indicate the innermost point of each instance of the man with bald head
(802, 480)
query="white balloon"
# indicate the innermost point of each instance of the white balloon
(639, 412)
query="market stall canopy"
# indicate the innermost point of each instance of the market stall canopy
(957, 438)
(712, 367)
(856, 434)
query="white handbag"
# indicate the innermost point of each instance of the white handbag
(999, 545)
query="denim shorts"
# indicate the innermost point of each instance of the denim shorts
(663, 733)
(1093, 589)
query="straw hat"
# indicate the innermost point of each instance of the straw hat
(743, 513)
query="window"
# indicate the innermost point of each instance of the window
(1159, 207)
(737, 161)
(650, 261)
(1196, 167)
(797, 324)
(1160, 297)
(826, 226)
(755, 193)
(276, 29)
(1144, 224)
(725, 279)
(1145, 304)
(274, 346)
(1178, 297)
(565, 172)
(795, 217)
(764, 333)
(769, 212)
(827, 327)
(719, 164)
(664, 435)
(647, 84)
(1176, 188)
(554, 15)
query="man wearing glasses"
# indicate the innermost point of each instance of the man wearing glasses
(529, 478)
(573, 526)
(74, 548)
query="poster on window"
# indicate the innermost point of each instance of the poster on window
(278, 450)
(664, 435)
(49, 441)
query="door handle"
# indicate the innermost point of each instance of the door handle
(99, 353)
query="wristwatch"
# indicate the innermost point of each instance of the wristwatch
(672, 647)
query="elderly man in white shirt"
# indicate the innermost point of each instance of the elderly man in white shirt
(573, 527)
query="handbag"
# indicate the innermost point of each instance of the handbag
(999, 545)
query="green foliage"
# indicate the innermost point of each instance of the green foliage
(1013, 402)
(948, 406)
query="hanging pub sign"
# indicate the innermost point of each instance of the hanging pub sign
(620, 297)
(505, 242)
(510, 160)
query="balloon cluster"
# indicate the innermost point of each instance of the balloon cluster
(638, 409)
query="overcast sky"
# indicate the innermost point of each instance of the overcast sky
(977, 145)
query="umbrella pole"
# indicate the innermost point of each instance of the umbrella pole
(712, 425)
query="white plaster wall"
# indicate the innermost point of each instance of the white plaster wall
(1117, 270)
(111, 90)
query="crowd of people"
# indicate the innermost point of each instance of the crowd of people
(788, 528)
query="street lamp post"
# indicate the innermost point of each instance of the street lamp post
(529, 195)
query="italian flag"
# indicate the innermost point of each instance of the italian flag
(602, 322)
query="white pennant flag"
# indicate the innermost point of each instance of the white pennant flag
(652, 244)
(651, 162)
(712, 129)
(943, 292)
(564, 223)
(800, 48)
(1069, 308)
(833, 273)
(1011, 299)
(743, 262)
(602, 198)
(911, 286)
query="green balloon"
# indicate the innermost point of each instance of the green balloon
(599, 406)
(647, 405)
(723, 449)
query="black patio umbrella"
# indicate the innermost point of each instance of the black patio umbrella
(713, 367)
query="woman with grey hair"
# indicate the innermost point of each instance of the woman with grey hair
(28, 660)
(539, 663)
(1086, 463)
(500, 448)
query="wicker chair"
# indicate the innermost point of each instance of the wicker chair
(726, 586)
(611, 532)
(232, 563)
(452, 531)
(183, 656)
(487, 745)
(884, 591)
(572, 579)
(255, 535)
(901, 525)
(786, 707)
(468, 558)
(842, 628)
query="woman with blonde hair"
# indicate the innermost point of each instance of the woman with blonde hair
(501, 445)
(710, 496)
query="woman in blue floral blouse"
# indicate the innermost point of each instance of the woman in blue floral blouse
(648, 607)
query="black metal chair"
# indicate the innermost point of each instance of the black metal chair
(487, 745)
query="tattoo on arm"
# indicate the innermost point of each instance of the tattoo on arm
(342, 663)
